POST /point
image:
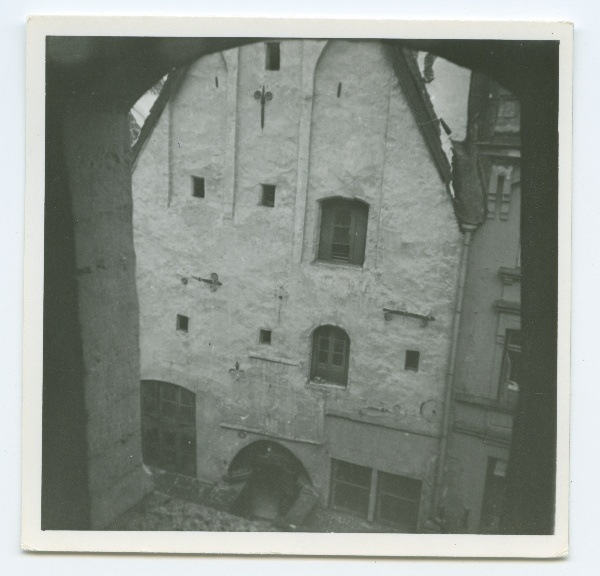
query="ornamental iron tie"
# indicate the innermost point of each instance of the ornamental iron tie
(264, 97)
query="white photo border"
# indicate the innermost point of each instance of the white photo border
(377, 545)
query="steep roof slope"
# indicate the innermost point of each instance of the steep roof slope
(172, 85)
(413, 86)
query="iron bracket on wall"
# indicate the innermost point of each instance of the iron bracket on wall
(388, 313)
(213, 281)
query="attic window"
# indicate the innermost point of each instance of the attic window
(268, 195)
(272, 56)
(197, 187)
(183, 323)
(411, 361)
(264, 336)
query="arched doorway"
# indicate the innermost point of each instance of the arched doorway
(273, 476)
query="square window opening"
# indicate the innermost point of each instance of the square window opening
(183, 323)
(272, 56)
(264, 337)
(197, 187)
(411, 361)
(268, 195)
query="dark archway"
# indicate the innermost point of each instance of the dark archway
(274, 477)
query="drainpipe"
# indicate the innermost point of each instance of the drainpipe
(468, 230)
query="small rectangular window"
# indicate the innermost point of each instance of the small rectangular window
(268, 195)
(197, 187)
(272, 56)
(411, 361)
(264, 336)
(183, 323)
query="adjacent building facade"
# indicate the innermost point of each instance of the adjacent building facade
(486, 378)
(299, 253)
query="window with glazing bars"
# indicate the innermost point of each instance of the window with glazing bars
(350, 487)
(398, 499)
(331, 351)
(343, 231)
(168, 427)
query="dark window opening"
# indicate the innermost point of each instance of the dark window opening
(500, 184)
(339, 91)
(268, 195)
(411, 361)
(350, 487)
(331, 351)
(216, 81)
(264, 336)
(508, 390)
(493, 496)
(197, 187)
(272, 56)
(343, 231)
(398, 501)
(168, 427)
(182, 323)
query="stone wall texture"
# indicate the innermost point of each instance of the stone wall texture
(364, 144)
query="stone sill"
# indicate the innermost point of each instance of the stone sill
(508, 307)
(485, 434)
(337, 265)
(328, 387)
(509, 275)
(487, 403)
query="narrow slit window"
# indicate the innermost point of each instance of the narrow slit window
(268, 195)
(264, 336)
(183, 323)
(272, 56)
(339, 91)
(411, 361)
(500, 184)
(216, 81)
(197, 187)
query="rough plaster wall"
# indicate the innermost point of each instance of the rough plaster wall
(263, 288)
(495, 244)
(105, 261)
(198, 140)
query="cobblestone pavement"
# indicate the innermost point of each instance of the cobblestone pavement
(160, 512)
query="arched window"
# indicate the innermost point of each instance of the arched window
(343, 231)
(330, 354)
(169, 427)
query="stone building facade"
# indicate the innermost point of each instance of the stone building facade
(488, 365)
(298, 255)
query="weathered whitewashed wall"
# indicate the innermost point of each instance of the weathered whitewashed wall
(364, 144)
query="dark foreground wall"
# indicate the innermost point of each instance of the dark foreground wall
(91, 453)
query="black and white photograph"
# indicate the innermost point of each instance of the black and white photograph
(303, 287)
